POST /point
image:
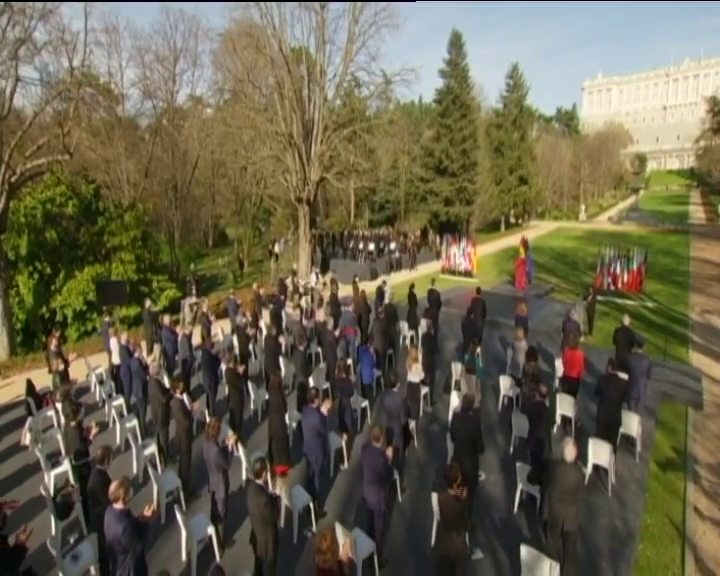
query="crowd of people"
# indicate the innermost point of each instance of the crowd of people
(334, 357)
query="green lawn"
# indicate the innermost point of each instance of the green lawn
(670, 178)
(568, 260)
(670, 206)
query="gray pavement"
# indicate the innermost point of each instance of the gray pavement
(609, 524)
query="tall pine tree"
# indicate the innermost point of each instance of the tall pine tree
(514, 164)
(450, 156)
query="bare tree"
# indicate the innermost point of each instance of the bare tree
(42, 65)
(310, 51)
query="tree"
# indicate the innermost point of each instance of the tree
(450, 160)
(309, 52)
(511, 134)
(42, 67)
(707, 151)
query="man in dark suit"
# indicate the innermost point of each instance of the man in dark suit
(377, 479)
(315, 440)
(126, 356)
(139, 374)
(186, 356)
(590, 306)
(159, 397)
(397, 415)
(639, 372)
(378, 337)
(256, 309)
(562, 486)
(392, 319)
(380, 296)
(434, 302)
(540, 421)
(611, 391)
(209, 373)
(205, 322)
(217, 463)
(264, 512)
(272, 352)
(479, 313)
(125, 533)
(232, 309)
(277, 308)
(150, 326)
(335, 306)
(183, 418)
(429, 351)
(98, 502)
(329, 344)
(468, 443)
(170, 345)
(624, 342)
(570, 328)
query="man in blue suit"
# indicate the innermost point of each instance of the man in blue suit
(209, 372)
(315, 439)
(397, 415)
(126, 356)
(169, 339)
(378, 473)
(125, 533)
(639, 372)
(139, 377)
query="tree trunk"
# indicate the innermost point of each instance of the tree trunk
(7, 330)
(304, 235)
(352, 200)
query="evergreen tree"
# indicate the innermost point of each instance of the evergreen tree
(450, 158)
(514, 164)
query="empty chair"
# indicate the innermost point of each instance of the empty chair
(631, 425)
(40, 416)
(600, 453)
(453, 404)
(407, 338)
(56, 524)
(336, 443)
(128, 425)
(362, 546)
(390, 359)
(412, 425)
(258, 397)
(315, 354)
(143, 454)
(436, 516)
(118, 410)
(398, 484)
(98, 379)
(535, 563)
(565, 407)
(166, 484)
(449, 446)
(79, 559)
(424, 397)
(523, 486)
(508, 389)
(360, 404)
(52, 472)
(194, 532)
(297, 499)
(292, 419)
(319, 379)
(456, 371)
(520, 428)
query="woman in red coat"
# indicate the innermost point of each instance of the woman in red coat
(573, 360)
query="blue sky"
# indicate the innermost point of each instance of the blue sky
(558, 44)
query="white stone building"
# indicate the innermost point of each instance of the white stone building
(662, 109)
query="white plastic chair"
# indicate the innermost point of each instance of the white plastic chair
(523, 486)
(143, 454)
(78, 560)
(319, 379)
(336, 442)
(359, 404)
(453, 404)
(378, 377)
(600, 453)
(436, 516)
(53, 472)
(405, 337)
(559, 371)
(424, 397)
(118, 410)
(297, 499)
(194, 532)
(390, 354)
(520, 428)
(51, 437)
(508, 359)
(57, 525)
(565, 407)
(631, 425)
(165, 485)
(315, 355)
(287, 371)
(97, 378)
(128, 425)
(107, 393)
(412, 425)
(362, 546)
(450, 447)
(508, 389)
(39, 416)
(292, 419)
(535, 563)
(457, 371)
(398, 484)
(258, 397)
(238, 450)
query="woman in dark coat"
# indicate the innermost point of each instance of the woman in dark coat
(345, 390)
(413, 319)
(278, 436)
(236, 381)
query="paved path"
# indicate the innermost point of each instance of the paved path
(702, 552)
(14, 387)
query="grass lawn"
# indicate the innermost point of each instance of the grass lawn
(670, 178)
(568, 259)
(669, 206)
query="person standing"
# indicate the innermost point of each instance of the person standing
(562, 486)
(396, 413)
(378, 473)
(278, 435)
(590, 305)
(236, 381)
(639, 370)
(413, 319)
(315, 440)
(453, 525)
(479, 313)
(125, 533)
(468, 443)
(522, 321)
(217, 464)
(434, 302)
(186, 356)
(570, 329)
(77, 439)
(573, 360)
(210, 374)
(150, 326)
(264, 512)
(99, 501)
(159, 397)
(624, 342)
(126, 356)
(611, 391)
(182, 415)
(170, 345)
(428, 359)
(139, 377)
